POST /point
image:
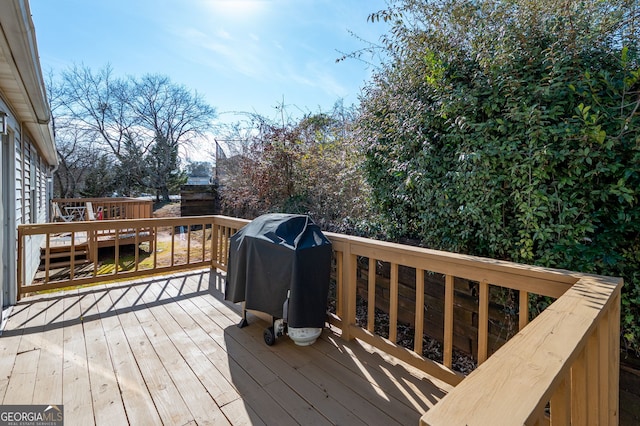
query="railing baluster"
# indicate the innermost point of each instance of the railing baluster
(483, 322)
(203, 243)
(339, 285)
(593, 377)
(523, 315)
(188, 245)
(579, 390)
(542, 419)
(448, 321)
(220, 253)
(47, 258)
(117, 252)
(137, 250)
(371, 293)
(220, 245)
(173, 245)
(155, 246)
(561, 404)
(223, 245)
(227, 243)
(419, 321)
(72, 257)
(93, 247)
(393, 302)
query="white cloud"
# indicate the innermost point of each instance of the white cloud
(238, 10)
(223, 34)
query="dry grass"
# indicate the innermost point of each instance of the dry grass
(166, 210)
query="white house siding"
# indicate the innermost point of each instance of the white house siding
(43, 205)
(28, 149)
(31, 199)
(6, 206)
(34, 211)
(12, 207)
(19, 180)
(26, 181)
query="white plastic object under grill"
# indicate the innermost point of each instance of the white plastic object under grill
(304, 336)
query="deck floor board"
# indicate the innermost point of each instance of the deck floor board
(167, 350)
(48, 386)
(108, 406)
(139, 406)
(77, 401)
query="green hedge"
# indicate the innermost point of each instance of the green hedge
(510, 129)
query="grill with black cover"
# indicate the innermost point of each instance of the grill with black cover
(278, 260)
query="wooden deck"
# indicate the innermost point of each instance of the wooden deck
(167, 351)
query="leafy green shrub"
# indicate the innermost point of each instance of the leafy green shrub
(510, 129)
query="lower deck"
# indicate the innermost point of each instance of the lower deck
(166, 350)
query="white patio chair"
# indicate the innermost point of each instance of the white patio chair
(57, 214)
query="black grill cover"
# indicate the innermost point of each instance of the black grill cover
(273, 254)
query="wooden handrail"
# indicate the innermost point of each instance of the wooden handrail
(112, 207)
(565, 359)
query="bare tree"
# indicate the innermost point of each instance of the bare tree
(172, 118)
(143, 123)
(75, 145)
(98, 101)
(76, 159)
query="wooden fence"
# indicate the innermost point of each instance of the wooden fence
(561, 368)
(199, 200)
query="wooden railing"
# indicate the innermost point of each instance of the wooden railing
(560, 368)
(111, 208)
(170, 244)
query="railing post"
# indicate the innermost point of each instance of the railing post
(603, 368)
(614, 360)
(19, 271)
(349, 282)
(339, 286)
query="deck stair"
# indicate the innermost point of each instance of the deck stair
(61, 257)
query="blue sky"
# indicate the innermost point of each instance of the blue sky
(241, 55)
